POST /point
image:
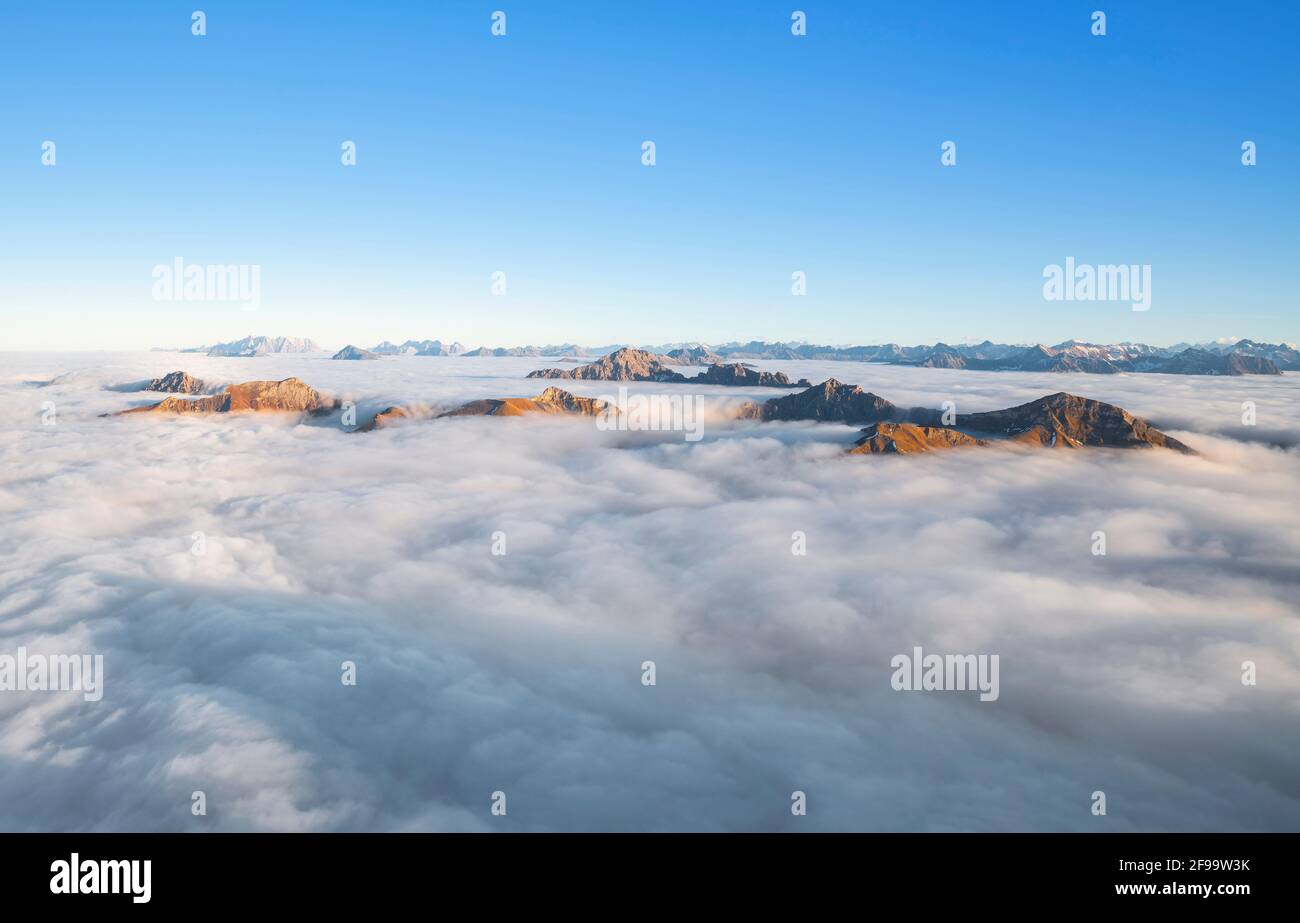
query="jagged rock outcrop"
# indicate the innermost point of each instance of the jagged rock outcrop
(177, 382)
(625, 364)
(909, 439)
(739, 374)
(354, 352)
(289, 395)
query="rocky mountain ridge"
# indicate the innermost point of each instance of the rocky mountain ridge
(290, 395)
(261, 346)
(1059, 420)
(630, 364)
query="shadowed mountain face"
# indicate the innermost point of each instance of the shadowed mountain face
(621, 365)
(1058, 420)
(1069, 420)
(740, 374)
(909, 439)
(176, 383)
(289, 395)
(831, 402)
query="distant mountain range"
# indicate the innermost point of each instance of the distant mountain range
(258, 346)
(1242, 357)
(418, 348)
(631, 364)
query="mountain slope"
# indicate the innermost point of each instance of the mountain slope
(1067, 420)
(351, 352)
(551, 401)
(909, 439)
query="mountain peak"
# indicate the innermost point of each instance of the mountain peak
(354, 352)
(287, 395)
(830, 401)
(625, 364)
(1064, 419)
(264, 346)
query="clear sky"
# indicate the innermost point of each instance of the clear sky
(522, 154)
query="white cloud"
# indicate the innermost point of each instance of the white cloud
(522, 673)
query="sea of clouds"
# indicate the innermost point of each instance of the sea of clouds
(522, 672)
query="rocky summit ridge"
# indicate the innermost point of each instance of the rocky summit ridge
(552, 401)
(176, 383)
(1059, 420)
(288, 395)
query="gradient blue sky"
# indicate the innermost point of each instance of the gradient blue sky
(522, 154)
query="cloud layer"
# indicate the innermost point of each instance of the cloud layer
(521, 672)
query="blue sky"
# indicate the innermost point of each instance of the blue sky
(522, 154)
